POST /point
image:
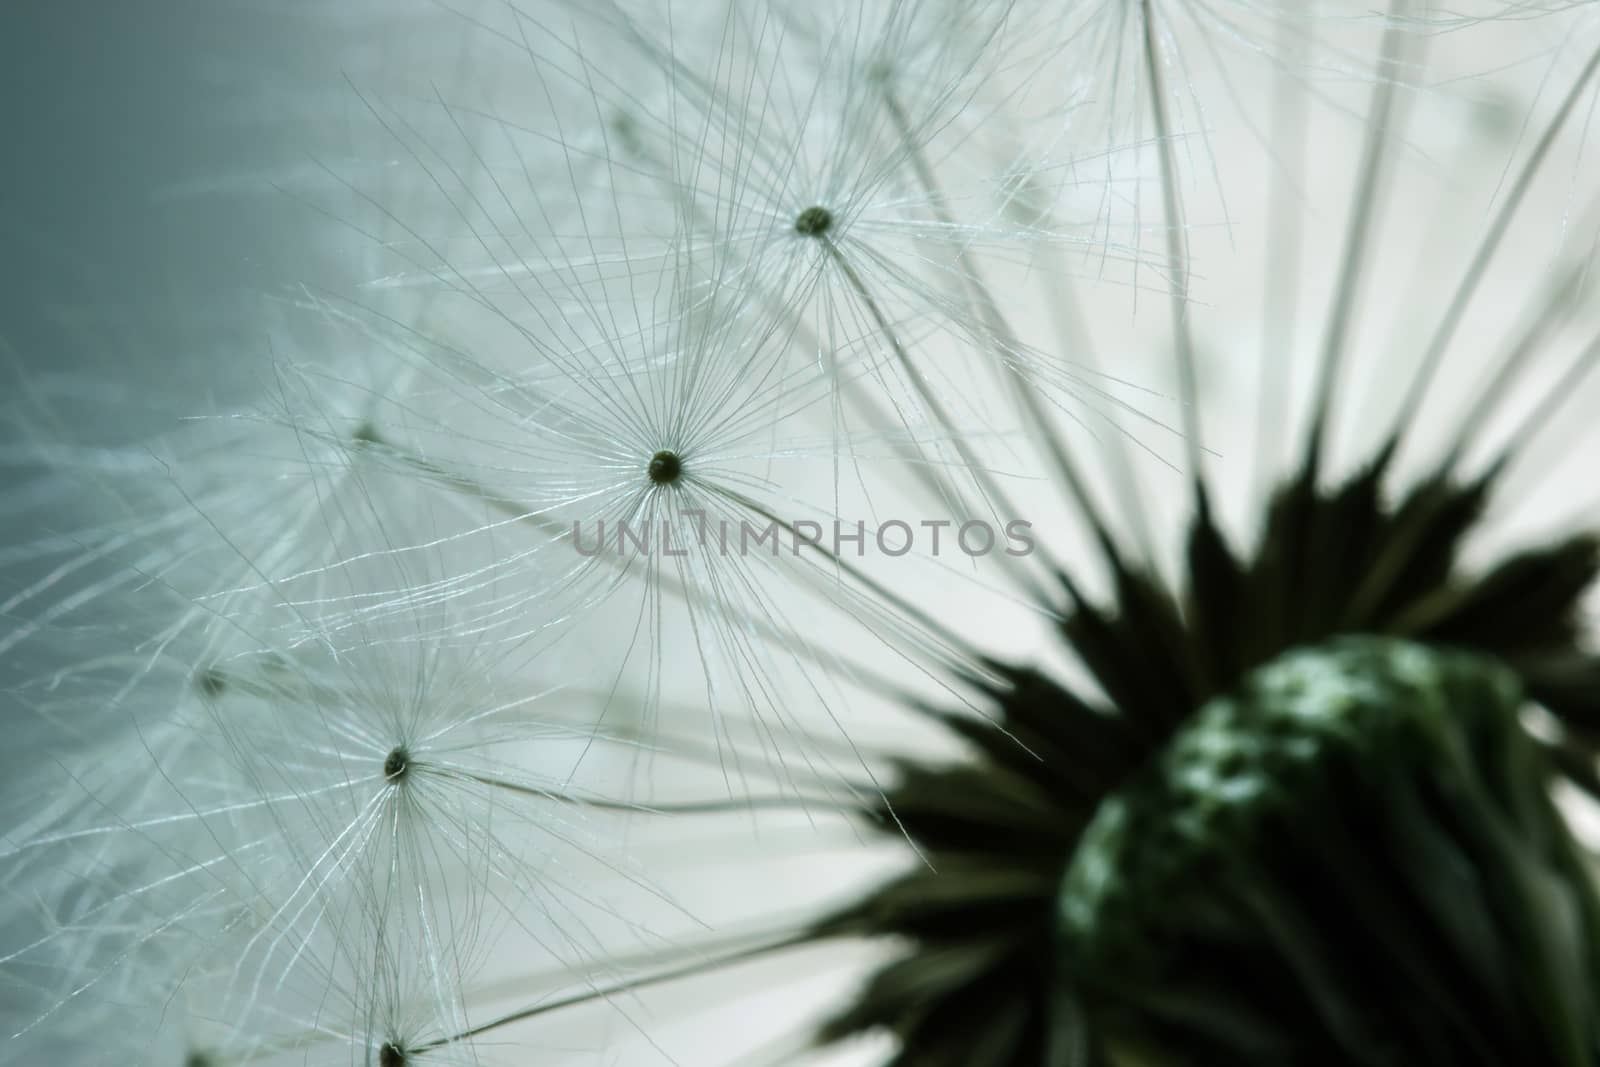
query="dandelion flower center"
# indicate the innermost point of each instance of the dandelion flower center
(391, 1055)
(814, 221)
(665, 467)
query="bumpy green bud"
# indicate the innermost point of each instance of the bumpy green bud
(1354, 860)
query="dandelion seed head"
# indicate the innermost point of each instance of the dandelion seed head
(819, 250)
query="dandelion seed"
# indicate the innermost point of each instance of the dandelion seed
(395, 764)
(665, 467)
(814, 221)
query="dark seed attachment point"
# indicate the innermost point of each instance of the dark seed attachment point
(391, 1055)
(395, 765)
(665, 467)
(211, 681)
(814, 221)
(367, 434)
